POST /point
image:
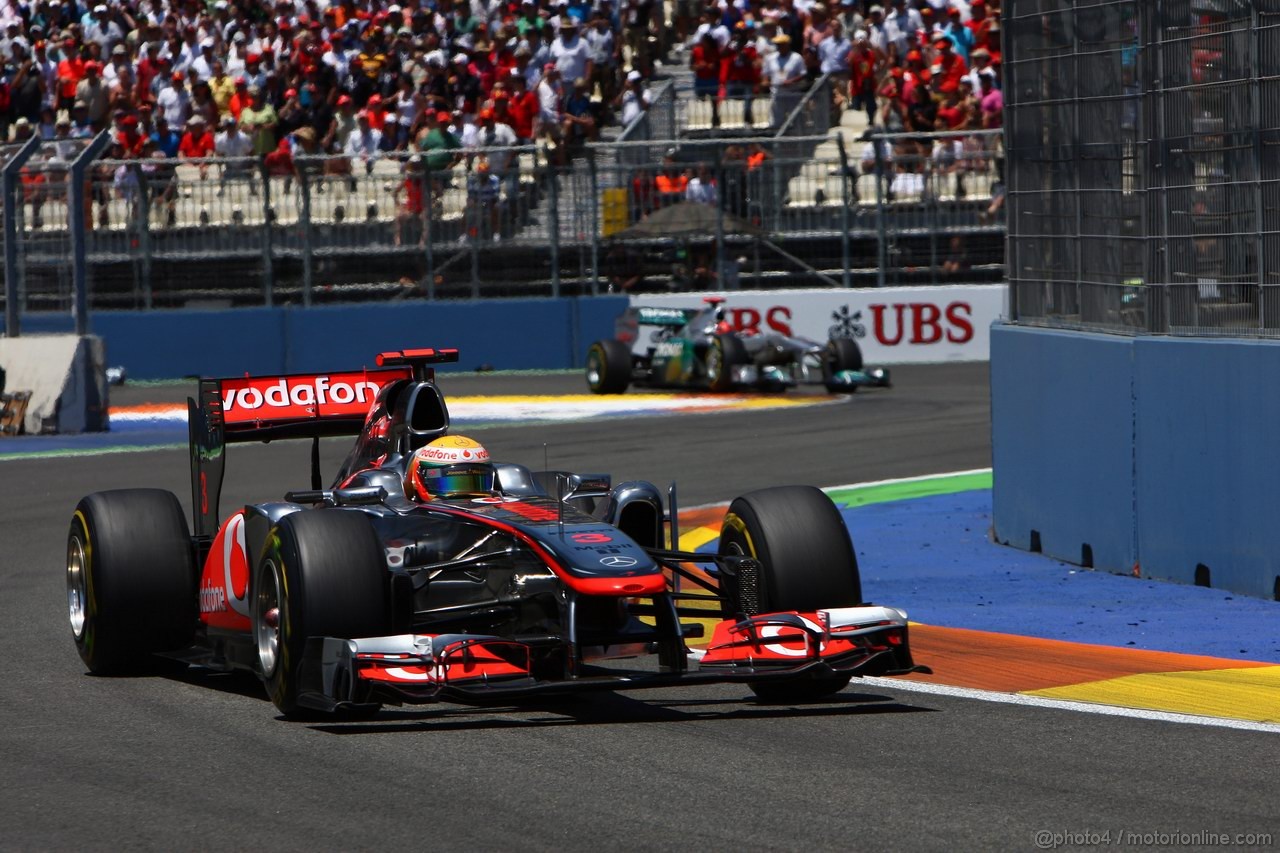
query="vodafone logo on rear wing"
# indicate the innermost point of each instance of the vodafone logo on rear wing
(254, 399)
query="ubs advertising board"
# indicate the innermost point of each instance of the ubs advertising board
(891, 325)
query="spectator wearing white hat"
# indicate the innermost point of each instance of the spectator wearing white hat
(786, 74)
(571, 53)
(202, 65)
(634, 100)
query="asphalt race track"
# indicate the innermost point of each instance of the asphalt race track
(202, 762)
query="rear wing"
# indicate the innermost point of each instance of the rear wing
(299, 405)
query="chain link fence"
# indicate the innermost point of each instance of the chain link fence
(1144, 191)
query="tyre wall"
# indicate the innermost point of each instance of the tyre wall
(507, 334)
(1156, 452)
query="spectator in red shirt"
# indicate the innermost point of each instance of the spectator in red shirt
(741, 70)
(70, 73)
(131, 141)
(197, 143)
(948, 68)
(705, 61)
(865, 66)
(523, 108)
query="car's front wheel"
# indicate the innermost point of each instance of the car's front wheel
(131, 579)
(322, 574)
(807, 564)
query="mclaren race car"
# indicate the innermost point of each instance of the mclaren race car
(696, 348)
(346, 598)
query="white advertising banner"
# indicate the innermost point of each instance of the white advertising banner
(901, 325)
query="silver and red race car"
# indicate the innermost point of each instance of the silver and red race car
(345, 598)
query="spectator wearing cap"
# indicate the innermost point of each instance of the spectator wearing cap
(410, 198)
(364, 143)
(484, 203)
(197, 143)
(236, 147)
(440, 150)
(948, 67)
(786, 74)
(961, 36)
(634, 101)
(580, 121)
(174, 100)
(991, 100)
(570, 52)
(70, 73)
(117, 61)
(47, 68)
(202, 64)
(101, 25)
(240, 99)
(816, 31)
(81, 126)
(879, 33)
(47, 125)
(341, 125)
(866, 67)
(259, 120)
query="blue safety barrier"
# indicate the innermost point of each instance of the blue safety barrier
(1157, 453)
(506, 334)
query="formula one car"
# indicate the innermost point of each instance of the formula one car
(696, 348)
(345, 598)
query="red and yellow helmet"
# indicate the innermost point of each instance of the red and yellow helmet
(449, 467)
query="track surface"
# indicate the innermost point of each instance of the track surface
(202, 762)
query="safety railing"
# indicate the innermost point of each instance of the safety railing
(473, 223)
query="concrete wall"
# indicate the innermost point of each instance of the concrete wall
(505, 333)
(1156, 451)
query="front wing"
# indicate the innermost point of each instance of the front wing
(342, 674)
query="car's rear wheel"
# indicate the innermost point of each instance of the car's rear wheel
(608, 367)
(841, 354)
(807, 564)
(131, 579)
(725, 353)
(323, 574)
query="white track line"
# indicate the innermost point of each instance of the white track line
(896, 684)
(867, 485)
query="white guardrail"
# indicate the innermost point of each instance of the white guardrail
(904, 325)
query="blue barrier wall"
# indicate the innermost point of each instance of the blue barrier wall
(1208, 462)
(1062, 443)
(1153, 450)
(505, 333)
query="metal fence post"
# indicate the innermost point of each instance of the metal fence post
(882, 236)
(12, 215)
(304, 216)
(143, 225)
(595, 223)
(553, 223)
(429, 196)
(846, 254)
(76, 216)
(719, 173)
(268, 222)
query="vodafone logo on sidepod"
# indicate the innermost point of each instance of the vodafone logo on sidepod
(268, 398)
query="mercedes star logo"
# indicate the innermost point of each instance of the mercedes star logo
(617, 561)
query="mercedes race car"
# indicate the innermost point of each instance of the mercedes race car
(346, 598)
(696, 348)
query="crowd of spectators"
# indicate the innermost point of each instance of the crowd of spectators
(448, 79)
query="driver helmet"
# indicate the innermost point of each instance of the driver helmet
(449, 467)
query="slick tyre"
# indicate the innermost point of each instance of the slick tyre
(608, 367)
(131, 580)
(725, 353)
(807, 564)
(322, 574)
(841, 354)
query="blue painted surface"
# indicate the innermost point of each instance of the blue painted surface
(1208, 486)
(505, 333)
(931, 556)
(1062, 443)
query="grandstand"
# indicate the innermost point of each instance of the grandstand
(289, 224)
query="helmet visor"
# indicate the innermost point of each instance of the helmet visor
(466, 479)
